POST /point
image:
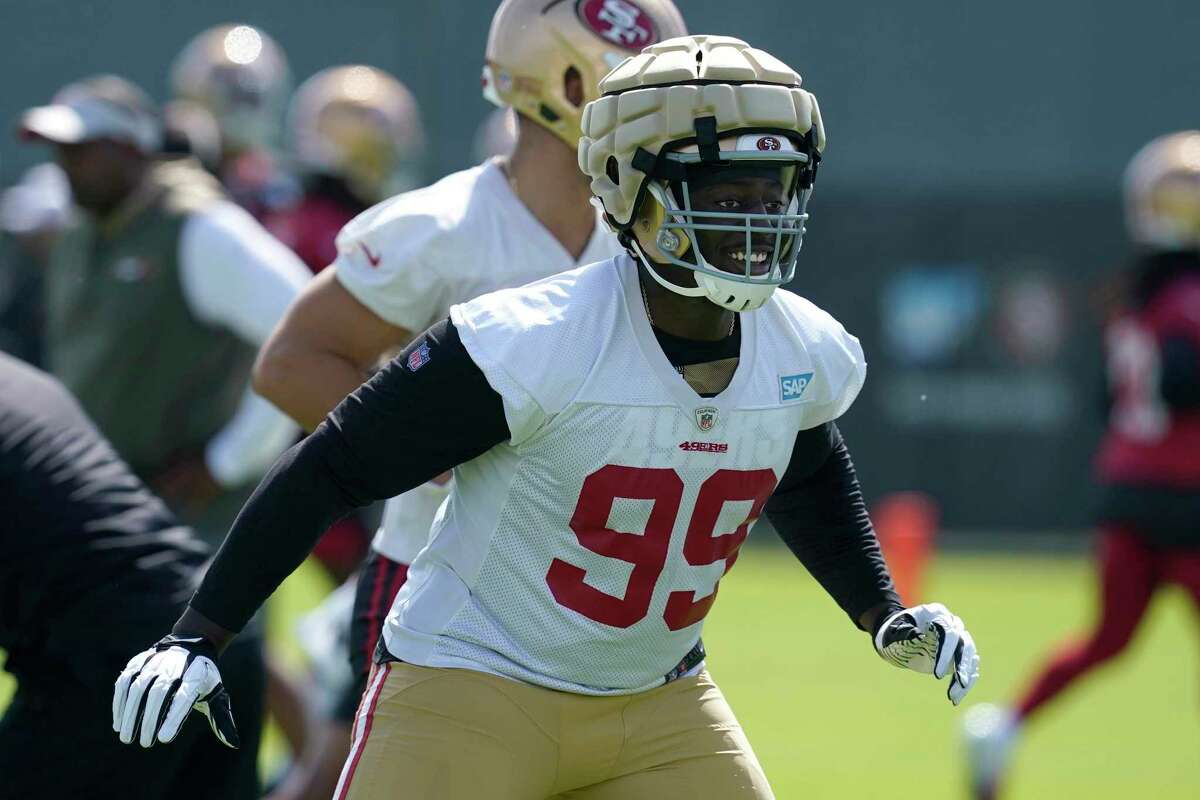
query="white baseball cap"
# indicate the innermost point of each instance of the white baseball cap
(102, 107)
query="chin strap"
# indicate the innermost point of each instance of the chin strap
(686, 291)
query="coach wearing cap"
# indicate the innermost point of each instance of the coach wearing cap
(157, 297)
(156, 302)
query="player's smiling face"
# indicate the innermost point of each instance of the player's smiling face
(726, 250)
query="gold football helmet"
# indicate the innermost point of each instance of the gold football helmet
(359, 124)
(535, 45)
(241, 76)
(700, 104)
(1162, 193)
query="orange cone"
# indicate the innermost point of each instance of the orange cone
(906, 523)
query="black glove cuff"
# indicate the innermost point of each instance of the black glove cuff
(884, 616)
(195, 644)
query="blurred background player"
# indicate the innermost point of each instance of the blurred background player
(190, 129)
(92, 564)
(1148, 465)
(32, 214)
(157, 296)
(240, 75)
(401, 264)
(355, 137)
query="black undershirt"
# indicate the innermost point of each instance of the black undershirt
(404, 427)
(686, 352)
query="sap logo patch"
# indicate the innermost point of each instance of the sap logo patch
(791, 387)
(419, 357)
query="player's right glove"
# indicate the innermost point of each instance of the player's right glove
(929, 639)
(159, 686)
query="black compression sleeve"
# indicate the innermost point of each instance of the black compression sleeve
(819, 512)
(1179, 381)
(428, 410)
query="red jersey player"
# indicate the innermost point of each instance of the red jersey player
(1148, 465)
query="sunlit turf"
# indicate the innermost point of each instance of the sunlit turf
(828, 719)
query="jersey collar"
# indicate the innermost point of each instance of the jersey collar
(679, 390)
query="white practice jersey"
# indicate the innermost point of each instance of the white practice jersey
(583, 554)
(410, 258)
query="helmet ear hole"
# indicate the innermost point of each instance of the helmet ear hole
(657, 239)
(612, 170)
(573, 87)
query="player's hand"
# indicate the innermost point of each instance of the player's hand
(929, 639)
(160, 686)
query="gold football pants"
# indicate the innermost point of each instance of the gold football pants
(454, 734)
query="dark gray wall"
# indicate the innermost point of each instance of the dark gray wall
(933, 94)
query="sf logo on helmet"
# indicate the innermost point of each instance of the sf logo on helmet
(619, 21)
(769, 143)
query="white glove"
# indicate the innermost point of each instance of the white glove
(159, 686)
(930, 639)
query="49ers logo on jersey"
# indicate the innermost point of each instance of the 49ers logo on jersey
(618, 21)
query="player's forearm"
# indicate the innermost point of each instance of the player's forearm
(823, 520)
(306, 383)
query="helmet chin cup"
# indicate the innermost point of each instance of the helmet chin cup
(734, 295)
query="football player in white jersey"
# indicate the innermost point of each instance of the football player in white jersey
(402, 264)
(614, 432)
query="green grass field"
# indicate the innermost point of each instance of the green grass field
(828, 719)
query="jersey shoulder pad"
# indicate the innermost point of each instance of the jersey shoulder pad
(399, 257)
(409, 221)
(833, 355)
(545, 336)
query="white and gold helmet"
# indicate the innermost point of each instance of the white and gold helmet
(1162, 193)
(696, 103)
(360, 124)
(534, 45)
(241, 76)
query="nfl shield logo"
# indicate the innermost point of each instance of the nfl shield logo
(419, 357)
(706, 418)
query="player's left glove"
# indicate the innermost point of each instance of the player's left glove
(159, 687)
(929, 639)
